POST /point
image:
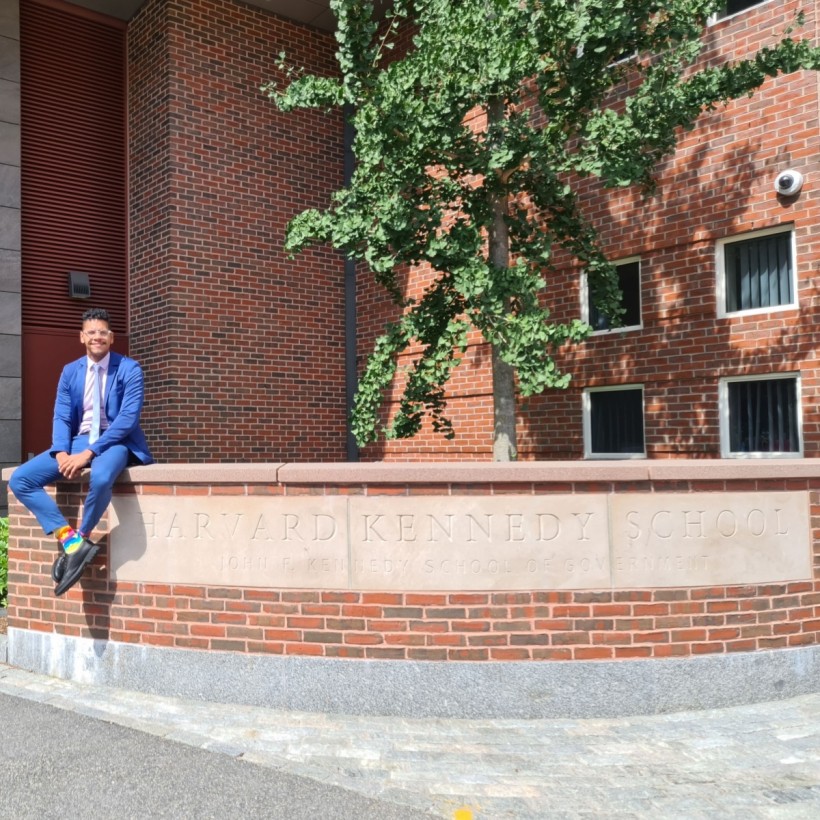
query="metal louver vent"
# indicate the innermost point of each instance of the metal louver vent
(73, 151)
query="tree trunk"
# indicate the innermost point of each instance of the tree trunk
(504, 439)
(504, 444)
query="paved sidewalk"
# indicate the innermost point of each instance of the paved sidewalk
(760, 761)
(61, 765)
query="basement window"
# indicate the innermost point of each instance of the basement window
(613, 422)
(760, 416)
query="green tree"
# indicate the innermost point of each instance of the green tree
(567, 89)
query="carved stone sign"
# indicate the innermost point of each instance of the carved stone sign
(479, 542)
(701, 539)
(231, 540)
(443, 543)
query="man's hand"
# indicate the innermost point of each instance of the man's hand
(70, 466)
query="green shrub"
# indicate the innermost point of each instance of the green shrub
(4, 560)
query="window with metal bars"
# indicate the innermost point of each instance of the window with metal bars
(763, 416)
(614, 422)
(758, 272)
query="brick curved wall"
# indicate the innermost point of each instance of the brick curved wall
(603, 624)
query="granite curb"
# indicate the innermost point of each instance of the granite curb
(425, 689)
(4, 641)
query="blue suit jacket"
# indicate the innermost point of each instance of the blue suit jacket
(123, 403)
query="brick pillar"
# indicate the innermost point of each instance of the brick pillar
(243, 348)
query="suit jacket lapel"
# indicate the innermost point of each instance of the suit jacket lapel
(113, 363)
(78, 384)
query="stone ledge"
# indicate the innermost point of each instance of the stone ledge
(249, 473)
(427, 689)
(528, 472)
(463, 472)
(734, 469)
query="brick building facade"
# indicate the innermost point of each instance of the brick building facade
(693, 373)
(722, 283)
(244, 349)
(191, 174)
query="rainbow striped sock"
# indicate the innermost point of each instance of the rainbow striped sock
(69, 539)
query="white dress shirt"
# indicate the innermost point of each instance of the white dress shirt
(88, 401)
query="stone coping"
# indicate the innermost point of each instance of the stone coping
(541, 472)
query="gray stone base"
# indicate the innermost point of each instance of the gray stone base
(547, 689)
(3, 640)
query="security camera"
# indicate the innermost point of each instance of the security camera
(788, 183)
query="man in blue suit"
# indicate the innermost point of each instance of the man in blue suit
(96, 424)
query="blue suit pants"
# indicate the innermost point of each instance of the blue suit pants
(29, 479)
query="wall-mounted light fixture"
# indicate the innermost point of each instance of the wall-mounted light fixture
(79, 286)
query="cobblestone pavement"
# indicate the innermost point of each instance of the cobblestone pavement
(760, 761)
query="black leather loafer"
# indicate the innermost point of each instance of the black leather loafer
(75, 563)
(58, 567)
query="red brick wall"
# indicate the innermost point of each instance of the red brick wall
(538, 625)
(718, 184)
(243, 349)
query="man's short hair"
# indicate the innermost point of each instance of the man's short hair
(99, 314)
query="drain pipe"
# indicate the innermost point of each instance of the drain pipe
(351, 375)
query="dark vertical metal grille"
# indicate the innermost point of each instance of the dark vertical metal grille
(73, 150)
(616, 421)
(763, 416)
(759, 272)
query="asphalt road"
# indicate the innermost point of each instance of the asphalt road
(58, 764)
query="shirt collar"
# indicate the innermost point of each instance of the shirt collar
(103, 363)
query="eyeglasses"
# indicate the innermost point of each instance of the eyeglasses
(92, 333)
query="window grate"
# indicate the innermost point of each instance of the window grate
(759, 272)
(616, 421)
(763, 416)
